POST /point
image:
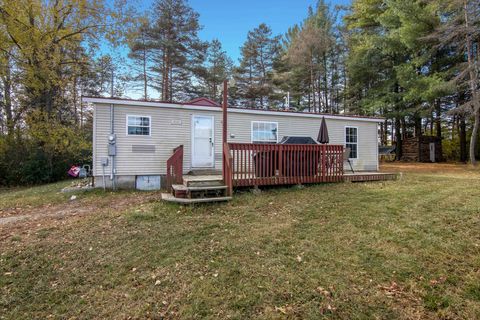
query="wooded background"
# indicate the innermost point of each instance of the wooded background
(413, 62)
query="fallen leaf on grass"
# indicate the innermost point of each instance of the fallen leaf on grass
(324, 292)
(283, 310)
(392, 290)
(440, 280)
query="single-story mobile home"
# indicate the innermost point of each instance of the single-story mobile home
(133, 139)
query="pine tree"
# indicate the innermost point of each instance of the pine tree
(139, 43)
(375, 53)
(256, 65)
(177, 51)
(461, 32)
(218, 68)
(312, 54)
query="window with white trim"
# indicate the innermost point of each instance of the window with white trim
(351, 141)
(138, 125)
(264, 132)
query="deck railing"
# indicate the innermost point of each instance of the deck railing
(227, 168)
(175, 167)
(277, 164)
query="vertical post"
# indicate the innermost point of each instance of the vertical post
(224, 130)
(225, 107)
(324, 171)
(280, 163)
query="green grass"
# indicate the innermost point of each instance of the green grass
(392, 250)
(34, 196)
(44, 198)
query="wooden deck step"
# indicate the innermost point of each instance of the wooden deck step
(182, 187)
(369, 176)
(205, 172)
(203, 181)
(170, 198)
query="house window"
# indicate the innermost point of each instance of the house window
(138, 125)
(264, 132)
(351, 141)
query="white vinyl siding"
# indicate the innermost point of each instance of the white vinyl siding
(139, 125)
(169, 128)
(351, 141)
(264, 132)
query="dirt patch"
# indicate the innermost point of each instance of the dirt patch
(74, 208)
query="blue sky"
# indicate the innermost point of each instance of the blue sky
(229, 20)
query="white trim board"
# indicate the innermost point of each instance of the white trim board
(230, 110)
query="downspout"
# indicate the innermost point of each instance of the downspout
(112, 157)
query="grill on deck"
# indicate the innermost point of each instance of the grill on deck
(267, 162)
(297, 140)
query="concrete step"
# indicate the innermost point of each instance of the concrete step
(203, 181)
(170, 198)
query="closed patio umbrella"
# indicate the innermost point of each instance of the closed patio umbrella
(323, 133)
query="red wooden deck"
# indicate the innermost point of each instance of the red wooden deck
(276, 164)
(248, 164)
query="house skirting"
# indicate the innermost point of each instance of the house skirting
(126, 182)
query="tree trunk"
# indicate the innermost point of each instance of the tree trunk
(431, 123)
(312, 86)
(382, 132)
(473, 82)
(145, 82)
(7, 93)
(325, 83)
(418, 125)
(385, 133)
(474, 137)
(398, 138)
(463, 139)
(75, 108)
(165, 76)
(438, 119)
(404, 128)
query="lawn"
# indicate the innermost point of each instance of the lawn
(406, 249)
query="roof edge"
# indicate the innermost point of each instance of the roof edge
(145, 103)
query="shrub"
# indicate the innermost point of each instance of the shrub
(43, 153)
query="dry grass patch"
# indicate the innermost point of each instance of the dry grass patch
(407, 249)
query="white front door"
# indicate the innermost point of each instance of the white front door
(202, 142)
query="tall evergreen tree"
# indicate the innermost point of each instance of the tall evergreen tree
(460, 31)
(313, 53)
(139, 43)
(256, 65)
(177, 50)
(218, 67)
(375, 53)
